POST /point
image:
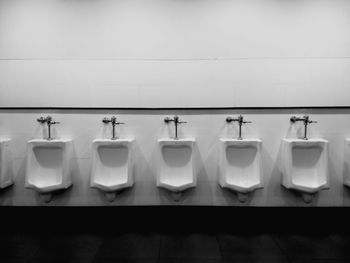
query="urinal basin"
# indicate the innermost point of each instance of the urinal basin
(5, 164)
(49, 165)
(305, 164)
(112, 164)
(176, 168)
(240, 165)
(347, 162)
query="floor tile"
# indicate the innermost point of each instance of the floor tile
(319, 261)
(189, 246)
(307, 247)
(70, 246)
(13, 260)
(130, 245)
(19, 246)
(118, 260)
(249, 247)
(60, 260)
(341, 245)
(182, 260)
(256, 260)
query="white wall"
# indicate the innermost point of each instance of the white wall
(174, 53)
(206, 126)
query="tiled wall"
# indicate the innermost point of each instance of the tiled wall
(174, 53)
(207, 126)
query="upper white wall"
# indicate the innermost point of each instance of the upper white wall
(174, 53)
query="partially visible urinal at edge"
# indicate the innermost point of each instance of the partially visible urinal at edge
(6, 172)
(347, 163)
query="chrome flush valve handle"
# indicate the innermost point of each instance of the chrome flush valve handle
(114, 122)
(54, 122)
(229, 119)
(42, 120)
(48, 120)
(176, 121)
(306, 120)
(106, 120)
(241, 121)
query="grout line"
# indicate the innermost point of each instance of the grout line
(220, 250)
(160, 247)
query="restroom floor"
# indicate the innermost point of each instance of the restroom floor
(191, 247)
(174, 234)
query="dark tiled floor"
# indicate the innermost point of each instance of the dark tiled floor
(174, 248)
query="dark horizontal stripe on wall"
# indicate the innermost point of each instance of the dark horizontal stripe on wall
(178, 108)
(115, 219)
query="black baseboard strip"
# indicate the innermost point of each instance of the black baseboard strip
(313, 220)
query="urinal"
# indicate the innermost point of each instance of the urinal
(305, 166)
(112, 166)
(49, 166)
(5, 164)
(240, 166)
(347, 163)
(176, 168)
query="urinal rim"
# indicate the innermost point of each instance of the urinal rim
(241, 189)
(243, 141)
(111, 141)
(112, 188)
(172, 141)
(310, 190)
(308, 141)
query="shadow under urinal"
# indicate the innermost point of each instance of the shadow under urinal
(6, 191)
(174, 197)
(112, 196)
(56, 197)
(236, 198)
(300, 198)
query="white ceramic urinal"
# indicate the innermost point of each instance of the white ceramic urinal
(240, 166)
(347, 163)
(49, 166)
(112, 166)
(305, 166)
(176, 168)
(5, 164)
